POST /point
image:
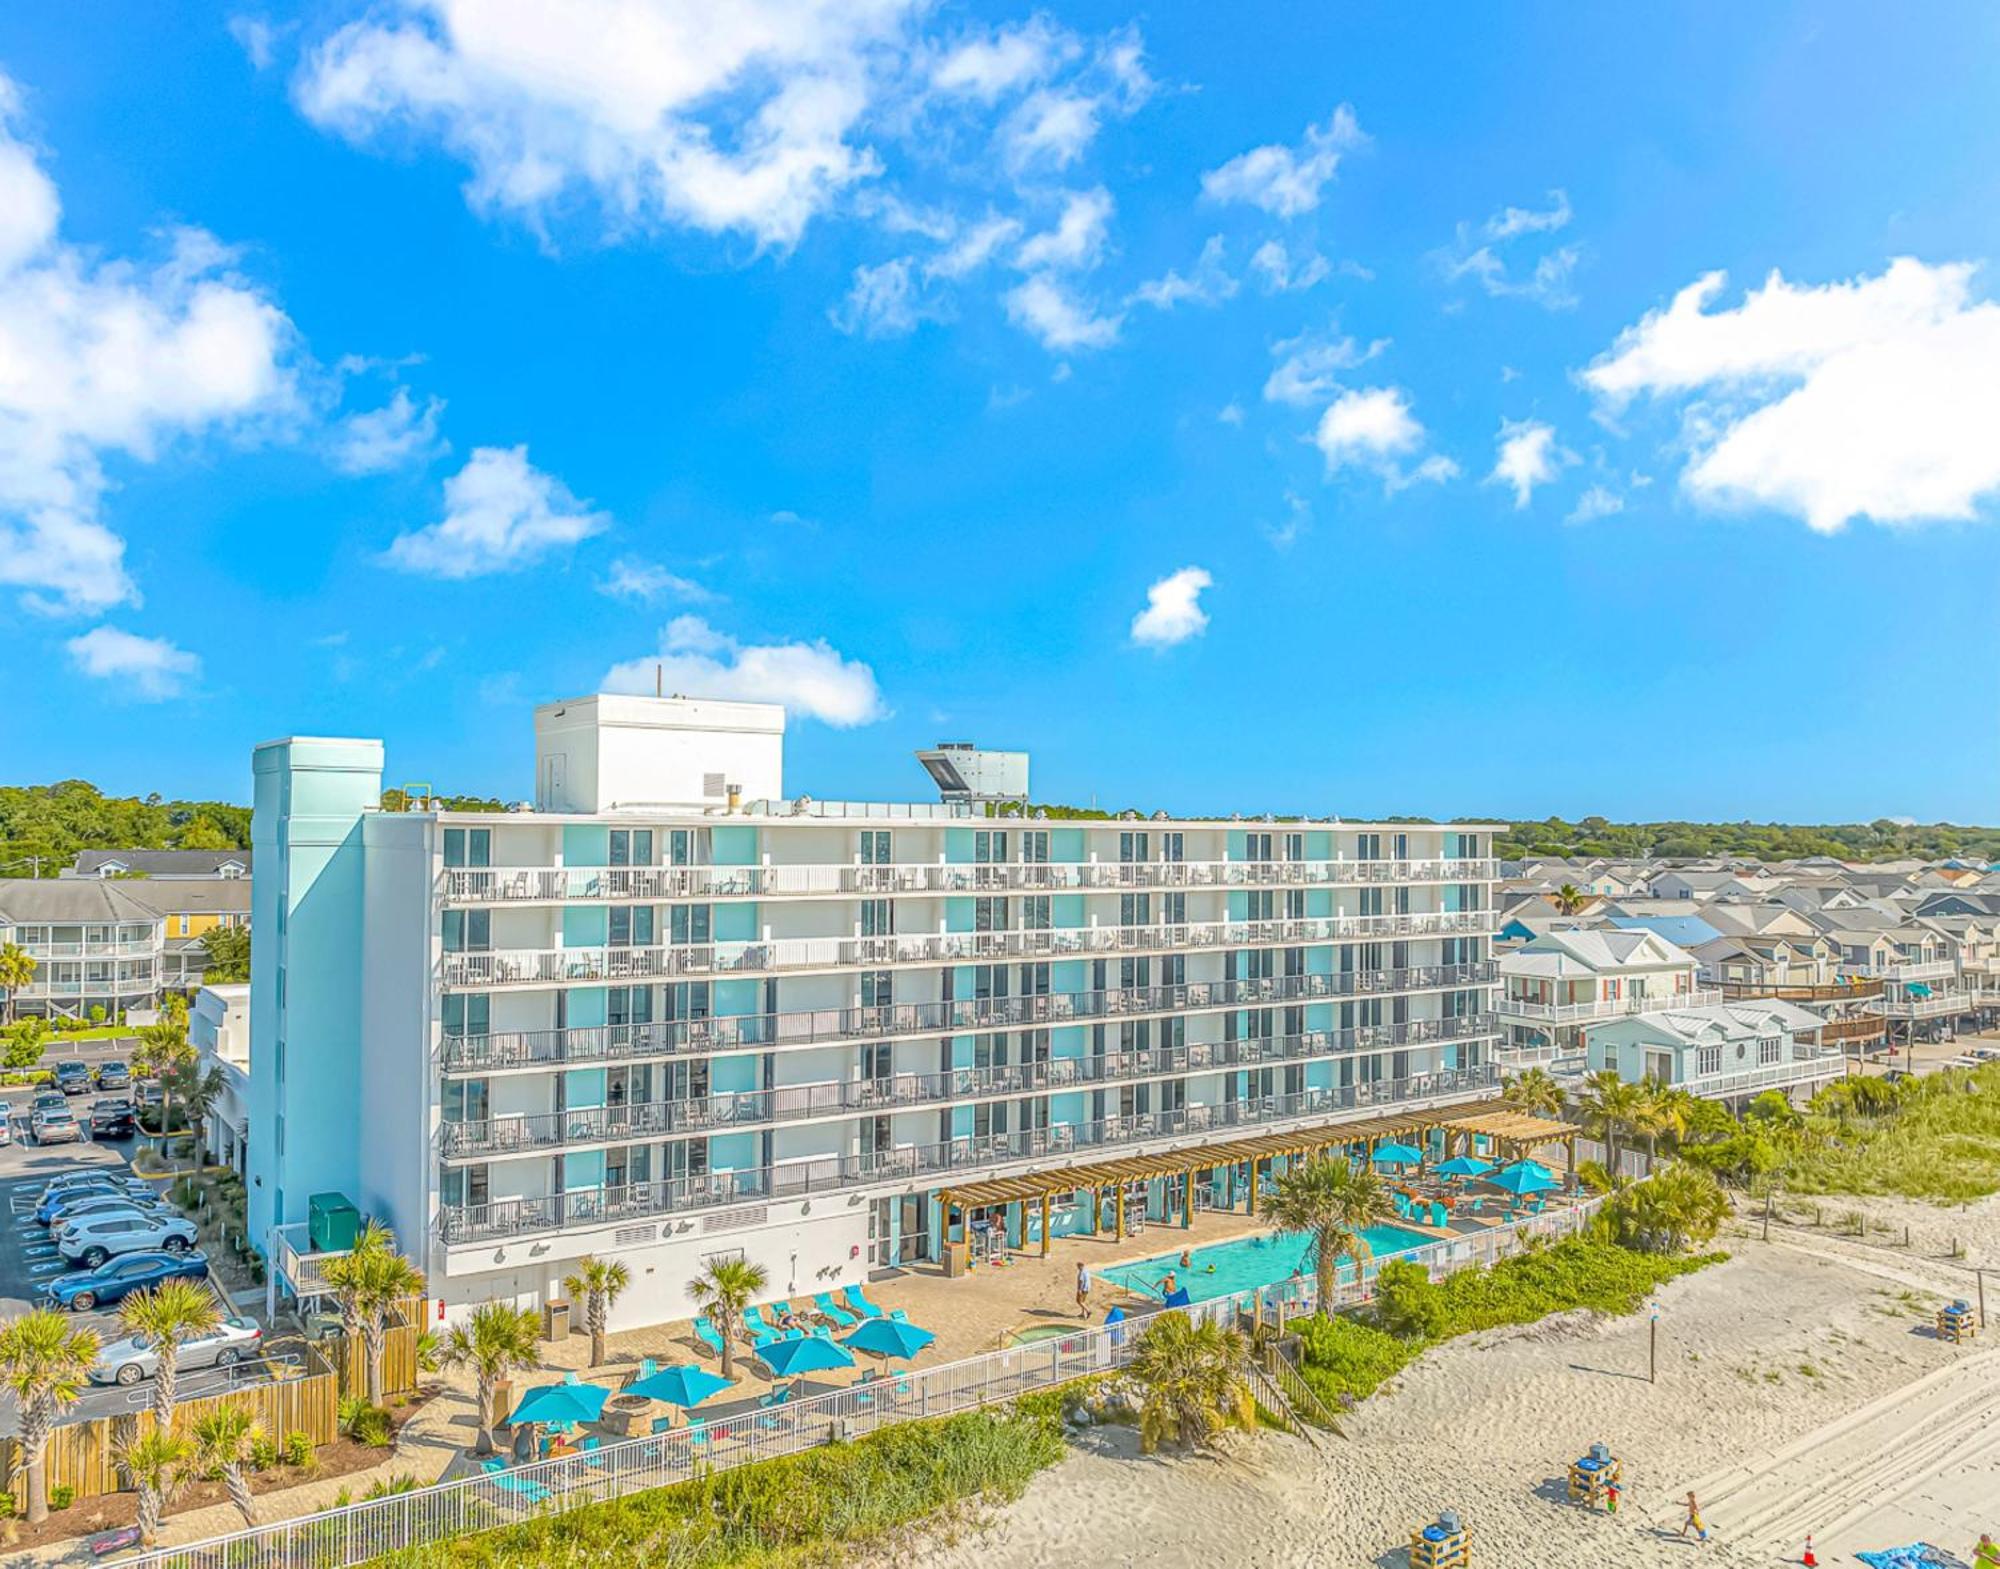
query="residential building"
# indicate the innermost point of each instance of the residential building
(95, 945)
(1563, 980)
(219, 1031)
(160, 863)
(671, 1014)
(189, 909)
(1722, 1051)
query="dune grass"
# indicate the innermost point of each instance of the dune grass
(821, 1507)
(1938, 1141)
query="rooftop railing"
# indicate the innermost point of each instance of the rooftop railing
(911, 1165)
(559, 966)
(501, 1051)
(1603, 1008)
(614, 884)
(529, 1133)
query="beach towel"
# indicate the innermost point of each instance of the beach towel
(1920, 1555)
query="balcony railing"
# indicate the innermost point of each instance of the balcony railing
(518, 1134)
(614, 884)
(1927, 970)
(293, 1256)
(1603, 1008)
(1940, 1004)
(127, 948)
(497, 1052)
(910, 1165)
(1817, 1068)
(557, 966)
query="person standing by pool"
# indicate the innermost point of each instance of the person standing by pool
(1082, 1289)
(1986, 1555)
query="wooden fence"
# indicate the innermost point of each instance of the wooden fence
(82, 1455)
(399, 1353)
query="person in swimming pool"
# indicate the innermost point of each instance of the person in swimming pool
(1187, 1259)
(1167, 1286)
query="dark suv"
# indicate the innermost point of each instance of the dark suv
(114, 1076)
(73, 1078)
(113, 1119)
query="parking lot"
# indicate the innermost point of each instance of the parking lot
(28, 1259)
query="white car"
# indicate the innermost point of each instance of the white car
(128, 1361)
(90, 1242)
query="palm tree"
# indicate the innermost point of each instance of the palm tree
(1333, 1203)
(1534, 1090)
(224, 1436)
(45, 1363)
(158, 1465)
(368, 1280)
(1193, 1379)
(17, 973)
(600, 1282)
(1609, 1105)
(1680, 1206)
(1658, 1109)
(198, 1093)
(173, 1311)
(723, 1291)
(495, 1341)
(163, 1049)
(1569, 899)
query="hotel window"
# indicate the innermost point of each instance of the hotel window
(465, 1187)
(1133, 848)
(1295, 847)
(468, 847)
(1135, 909)
(631, 847)
(875, 847)
(1402, 899)
(1709, 1060)
(468, 931)
(878, 918)
(878, 988)
(184, 925)
(1399, 847)
(1173, 847)
(989, 848)
(1256, 847)
(1767, 1051)
(1367, 847)
(1260, 904)
(684, 847)
(689, 923)
(1035, 846)
(1035, 916)
(1371, 901)
(466, 1013)
(686, 1000)
(1173, 909)
(629, 1005)
(1295, 903)
(466, 1100)
(989, 915)
(632, 926)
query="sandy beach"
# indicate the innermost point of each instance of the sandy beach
(1798, 1390)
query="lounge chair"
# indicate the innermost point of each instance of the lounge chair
(778, 1397)
(855, 1299)
(705, 1332)
(841, 1317)
(662, 1424)
(761, 1334)
(498, 1474)
(899, 1315)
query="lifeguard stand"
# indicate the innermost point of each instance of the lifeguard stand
(1445, 1544)
(1957, 1322)
(1592, 1474)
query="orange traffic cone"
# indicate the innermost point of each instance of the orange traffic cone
(1809, 1560)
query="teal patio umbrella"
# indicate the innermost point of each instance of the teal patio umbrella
(1398, 1155)
(889, 1337)
(1521, 1180)
(679, 1386)
(561, 1403)
(1464, 1166)
(807, 1354)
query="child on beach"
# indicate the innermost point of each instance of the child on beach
(1693, 1521)
(1083, 1291)
(1611, 1498)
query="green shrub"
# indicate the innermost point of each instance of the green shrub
(389, 1487)
(263, 1452)
(1406, 1303)
(7, 1506)
(374, 1428)
(299, 1450)
(1346, 1360)
(62, 1496)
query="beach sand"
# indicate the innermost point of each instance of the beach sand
(1798, 1390)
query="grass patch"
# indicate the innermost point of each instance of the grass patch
(1939, 1141)
(816, 1508)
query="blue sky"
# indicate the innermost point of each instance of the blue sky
(1294, 407)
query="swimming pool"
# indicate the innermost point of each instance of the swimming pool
(1250, 1262)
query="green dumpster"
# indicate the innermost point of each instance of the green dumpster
(332, 1222)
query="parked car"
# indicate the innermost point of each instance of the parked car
(70, 1216)
(151, 1093)
(56, 1126)
(93, 1177)
(48, 1100)
(128, 1361)
(114, 1076)
(93, 1242)
(73, 1078)
(6, 1130)
(79, 1293)
(113, 1119)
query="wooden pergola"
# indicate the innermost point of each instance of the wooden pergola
(1514, 1132)
(1118, 1175)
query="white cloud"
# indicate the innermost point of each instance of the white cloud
(148, 668)
(1231, 413)
(1308, 368)
(501, 513)
(1283, 181)
(973, 247)
(1283, 273)
(1529, 455)
(1876, 398)
(989, 66)
(646, 581)
(258, 38)
(1173, 612)
(882, 302)
(1596, 502)
(1373, 428)
(812, 680)
(1298, 520)
(1477, 254)
(106, 357)
(1077, 240)
(1060, 321)
(391, 437)
(1210, 283)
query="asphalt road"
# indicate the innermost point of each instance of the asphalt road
(28, 1258)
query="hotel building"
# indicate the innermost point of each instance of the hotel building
(670, 1013)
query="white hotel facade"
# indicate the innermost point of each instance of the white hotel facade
(669, 1013)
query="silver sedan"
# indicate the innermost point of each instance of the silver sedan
(129, 1361)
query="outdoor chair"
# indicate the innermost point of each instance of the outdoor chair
(860, 1303)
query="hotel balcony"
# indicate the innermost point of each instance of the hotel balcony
(559, 966)
(292, 1255)
(911, 1166)
(1929, 970)
(619, 884)
(1560, 1013)
(1824, 1066)
(590, 1126)
(524, 1050)
(1939, 1003)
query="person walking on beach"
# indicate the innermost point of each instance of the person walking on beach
(1693, 1521)
(1082, 1290)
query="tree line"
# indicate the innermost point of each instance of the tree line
(53, 822)
(1881, 840)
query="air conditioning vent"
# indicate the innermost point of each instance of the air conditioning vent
(634, 1236)
(732, 1219)
(714, 785)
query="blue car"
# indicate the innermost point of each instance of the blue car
(87, 1289)
(133, 1190)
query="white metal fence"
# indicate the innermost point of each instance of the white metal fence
(354, 1534)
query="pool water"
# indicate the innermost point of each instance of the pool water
(1250, 1262)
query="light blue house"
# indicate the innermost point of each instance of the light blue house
(1722, 1051)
